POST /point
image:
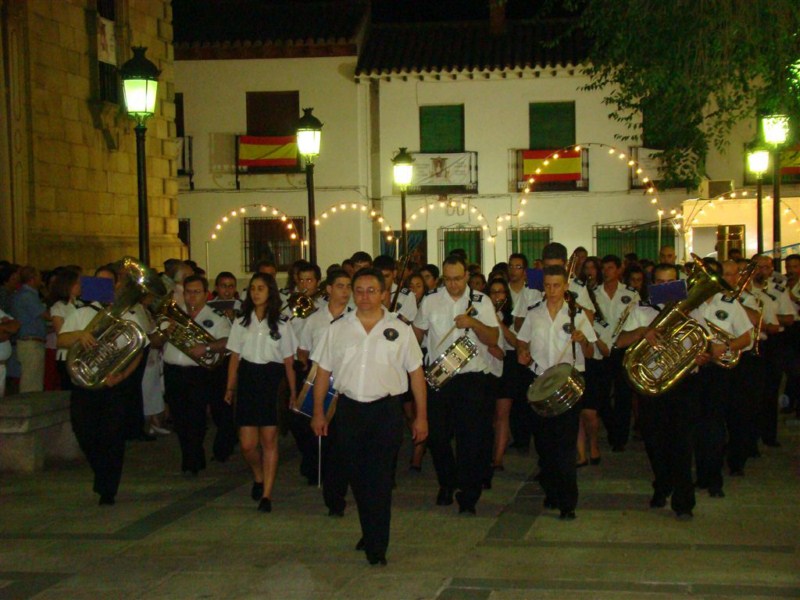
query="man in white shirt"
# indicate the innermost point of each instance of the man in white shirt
(461, 408)
(8, 327)
(372, 356)
(190, 387)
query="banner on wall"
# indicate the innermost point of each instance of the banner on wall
(444, 173)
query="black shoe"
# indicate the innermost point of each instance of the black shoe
(335, 512)
(595, 461)
(551, 504)
(716, 493)
(658, 501)
(772, 444)
(737, 472)
(377, 559)
(684, 515)
(567, 515)
(265, 505)
(445, 497)
(463, 507)
(584, 463)
(106, 500)
(360, 544)
(257, 490)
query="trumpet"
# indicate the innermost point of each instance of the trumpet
(302, 305)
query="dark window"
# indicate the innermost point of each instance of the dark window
(466, 238)
(269, 238)
(441, 128)
(531, 241)
(272, 113)
(108, 76)
(179, 128)
(552, 125)
(185, 233)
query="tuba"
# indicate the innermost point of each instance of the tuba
(118, 340)
(718, 335)
(186, 334)
(653, 370)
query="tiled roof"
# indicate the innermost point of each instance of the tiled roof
(468, 46)
(255, 22)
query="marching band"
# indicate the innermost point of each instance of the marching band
(695, 358)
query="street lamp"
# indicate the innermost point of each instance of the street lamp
(403, 170)
(309, 132)
(758, 163)
(776, 129)
(140, 86)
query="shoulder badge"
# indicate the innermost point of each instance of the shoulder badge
(721, 315)
(391, 334)
(476, 297)
(208, 323)
(626, 299)
(567, 327)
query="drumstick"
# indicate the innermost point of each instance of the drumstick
(469, 313)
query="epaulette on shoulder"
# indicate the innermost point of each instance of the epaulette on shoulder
(283, 318)
(433, 291)
(645, 304)
(405, 291)
(630, 289)
(285, 290)
(534, 305)
(579, 282)
(218, 312)
(476, 297)
(779, 287)
(728, 299)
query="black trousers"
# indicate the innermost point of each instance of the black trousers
(558, 476)
(519, 419)
(772, 351)
(368, 435)
(667, 426)
(227, 435)
(616, 400)
(97, 421)
(303, 436)
(188, 391)
(461, 410)
(711, 431)
(131, 392)
(746, 388)
(334, 469)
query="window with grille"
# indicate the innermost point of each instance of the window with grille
(641, 239)
(441, 128)
(464, 238)
(530, 241)
(108, 76)
(270, 238)
(185, 233)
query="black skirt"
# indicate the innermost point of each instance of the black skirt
(257, 394)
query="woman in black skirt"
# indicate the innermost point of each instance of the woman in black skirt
(262, 346)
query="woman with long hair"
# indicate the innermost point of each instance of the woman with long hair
(64, 290)
(591, 275)
(262, 346)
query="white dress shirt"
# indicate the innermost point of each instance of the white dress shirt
(213, 322)
(255, 343)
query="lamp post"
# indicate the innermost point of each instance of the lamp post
(403, 171)
(758, 163)
(140, 86)
(309, 133)
(776, 129)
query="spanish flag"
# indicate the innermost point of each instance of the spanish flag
(267, 151)
(790, 161)
(567, 167)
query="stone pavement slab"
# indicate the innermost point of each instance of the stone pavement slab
(174, 537)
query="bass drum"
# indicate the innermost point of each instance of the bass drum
(556, 390)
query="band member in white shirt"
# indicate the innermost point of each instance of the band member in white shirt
(371, 355)
(406, 307)
(461, 408)
(189, 387)
(262, 346)
(549, 337)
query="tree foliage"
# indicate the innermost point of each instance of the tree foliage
(690, 69)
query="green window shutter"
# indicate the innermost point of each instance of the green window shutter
(552, 125)
(468, 240)
(647, 240)
(441, 128)
(532, 242)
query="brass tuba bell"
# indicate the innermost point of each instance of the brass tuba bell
(653, 370)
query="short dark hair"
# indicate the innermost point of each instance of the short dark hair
(790, 257)
(520, 256)
(384, 261)
(370, 272)
(108, 268)
(195, 279)
(459, 252)
(171, 265)
(347, 262)
(554, 270)
(361, 256)
(455, 259)
(665, 267)
(304, 268)
(432, 269)
(611, 258)
(554, 250)
(334, 274)
(224, 275)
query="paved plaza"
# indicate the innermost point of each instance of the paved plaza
(175, 537)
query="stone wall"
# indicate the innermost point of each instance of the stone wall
(81, 206)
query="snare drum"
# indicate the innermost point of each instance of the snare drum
(304, 404)
(450, 362)
(556, 390)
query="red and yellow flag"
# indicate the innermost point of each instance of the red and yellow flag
(567, 167)
(790, 161)
(267, 151)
